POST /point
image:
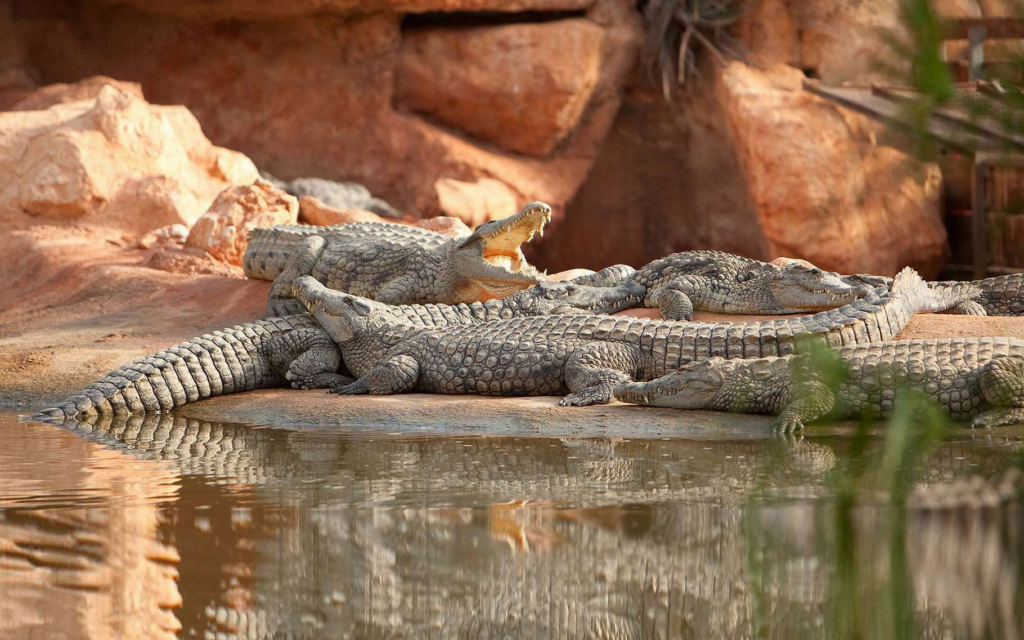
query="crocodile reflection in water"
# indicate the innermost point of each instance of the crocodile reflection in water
(382, 536)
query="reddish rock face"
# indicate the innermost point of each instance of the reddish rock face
(223, 230)
(823, 189)
(264, 9)
(85, 89)
(312, 211)
(115, 162)
(522, 87)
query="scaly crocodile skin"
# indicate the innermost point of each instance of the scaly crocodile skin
(966, 377)
(725, 283)
(398, 264)
(584, 355)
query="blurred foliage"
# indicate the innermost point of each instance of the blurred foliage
(919, 63)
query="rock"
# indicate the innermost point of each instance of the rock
(569, 274)
(115, 161)
(951, 9)
(782, 261)
(666, 180)
(823, 190)
(171, 234)
(348, 127)
(334, 194)
(445, 225)
(476, 202)
(223, 230)
(85, 89)
(312, 211)
(263, 10)
(521, 86)
(835, 41)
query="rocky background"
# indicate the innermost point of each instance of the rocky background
(131, 132)
(470, 108)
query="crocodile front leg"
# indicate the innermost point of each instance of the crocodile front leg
(593, 372)
(812, 400)
(396, 375)
(309, 358)
(280, 301)
(402, 290)
(674, 298)
(1002, 385)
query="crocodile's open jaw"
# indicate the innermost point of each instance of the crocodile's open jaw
(504, 268)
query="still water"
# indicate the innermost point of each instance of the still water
(168, 527)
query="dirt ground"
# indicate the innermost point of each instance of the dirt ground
(76, 305)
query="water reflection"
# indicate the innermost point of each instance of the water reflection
(141, 527)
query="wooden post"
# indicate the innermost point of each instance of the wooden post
(979, 226)
(976, 40)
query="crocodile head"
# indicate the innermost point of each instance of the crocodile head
(552, 297)
(344, 317)
(694, 386)
(491, 260)
(796, 287)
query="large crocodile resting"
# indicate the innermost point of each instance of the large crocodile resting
(586, 356)
(996, 296)
(294, 351)
(981, 378)
(721, 282)
(398, 264)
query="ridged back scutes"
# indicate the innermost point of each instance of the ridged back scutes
(269, 248)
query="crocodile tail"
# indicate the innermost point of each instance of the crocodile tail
(222, 362)
(922, 297)
(269, 249)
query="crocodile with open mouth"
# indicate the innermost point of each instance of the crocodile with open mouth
(398, 264)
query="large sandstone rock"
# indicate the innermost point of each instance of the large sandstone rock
(310, 95)
(823, 190)
(476, 202)
(269, 9)
(60, 93)
(114, 162)
(223, 230)
(522, 86)
(837, 41)
(312, 211)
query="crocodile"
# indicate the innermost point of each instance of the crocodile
(996, 296)
(722, 282)
(398, 264)
(294, 351)
(586, 356)
(979, 378)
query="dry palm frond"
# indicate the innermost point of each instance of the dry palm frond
(674, 27)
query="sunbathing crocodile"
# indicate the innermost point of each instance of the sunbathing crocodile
(586, 356)
(398, 264)
(967, 377)
(294, 351)
(721, 282)
(997, 296)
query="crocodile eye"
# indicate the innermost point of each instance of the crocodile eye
(571, 290)
(742, 277)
